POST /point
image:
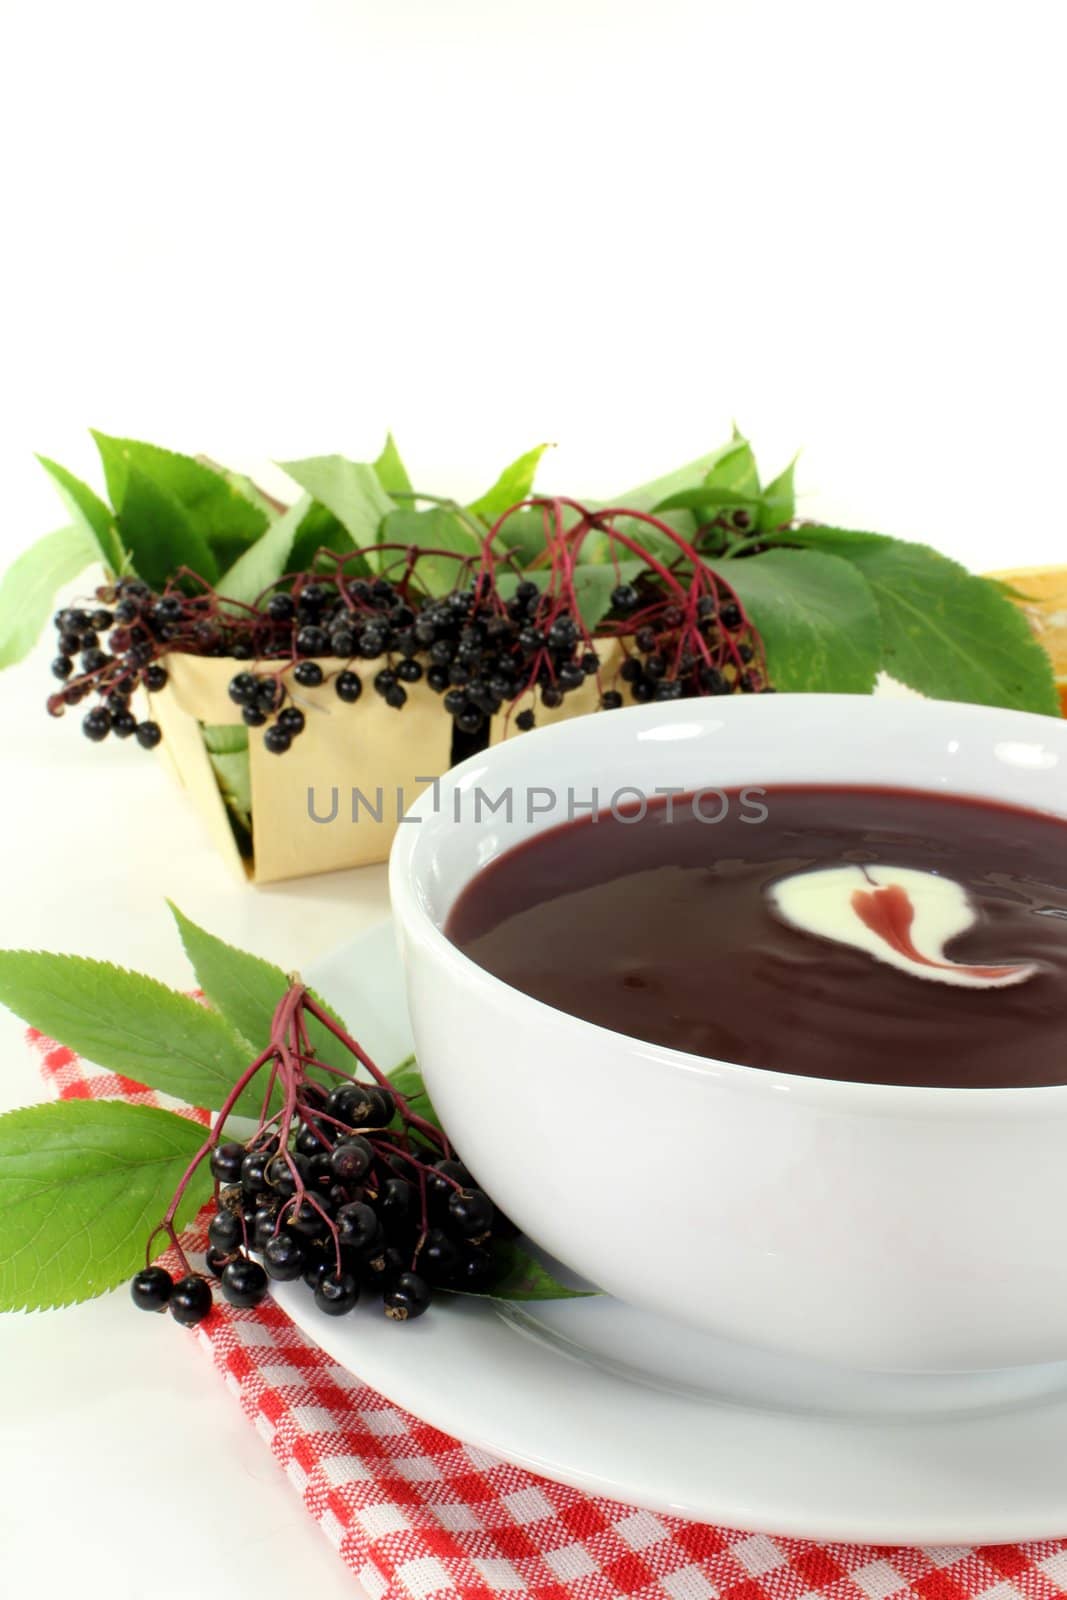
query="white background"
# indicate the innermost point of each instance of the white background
(265, 230)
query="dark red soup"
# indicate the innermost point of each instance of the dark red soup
(670, 928)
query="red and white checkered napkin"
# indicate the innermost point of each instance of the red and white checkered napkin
(416, 1515)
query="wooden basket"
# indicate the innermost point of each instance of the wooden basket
(335, 798)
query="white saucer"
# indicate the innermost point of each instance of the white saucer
(618, 1402)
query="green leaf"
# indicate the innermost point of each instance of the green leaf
(392, 473)
(524, 532)
(655, 492)
(514, 484)
(158, 534)
(408, 1081)
(734, 468)
(707, 497)
(349, 489)
(29, 586)
(227, 748)
(264, 562)
(213, 504)
(435, 529)
(778, 502)
(817, 617)
(130, 1024)
(246, 990)
(946, 633)
(82, 1184)
(523, 1277)
(89, 512)
(320, 530)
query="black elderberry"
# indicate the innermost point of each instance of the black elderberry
(447, 1177)
(311, 641)
(642, 690)
(151, 1289)
(439, 1256)
(551, 697)
(668, 689)
(471, 1212)
(407, 1297)
(351, 1160)
(352, 1103)
(397, 1202)
(127, 611)
(155, 677)
(348, 687)
(525, 721)
(308, 674)
(571, 677)
(242, 689)
(101, 621)
(280, 608)
(372, 642)
(383, 1267)
(470, 719)
(307, 1218)
(656, 667)
(123, 723)
(527, 590)
(396, 697)
(384, 680)
(226, 1162)
(93, 660)
(357, 1225)
(268, 693)
(264, 1227)
(320, 1173)
(409, 671)
(336, 1293)
(624, 597)
(168, 609)
(190, 1300)
(291, 718)
(253, 716)
(309, 1140)
(476, 1269)
(217, 1261)
(437, 678)
(730, 615)
(610, 700)
(284, 1258)
(96, 724)
(69, 643)
(244, 1283)
(318, 1261)
(62, 667)
(343, 642)
(281, 1176)
(277, 739)
(225, 1231)
(312, 598)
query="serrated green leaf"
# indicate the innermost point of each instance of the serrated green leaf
(264, 562)
(212, 504)
(246, 990)
(521, 1276)
(89, 512)
(817, 617)
(514, 485)
(82, 1185)
(945, 632)
(348, 489)
(29, 586)
(130, 1024)
(437, 528)
(778, 502)
(392, 473)
(156, 531)
(734, 468)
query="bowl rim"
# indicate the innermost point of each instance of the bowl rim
(844, 1095)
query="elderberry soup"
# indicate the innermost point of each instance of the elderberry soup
(873, 935)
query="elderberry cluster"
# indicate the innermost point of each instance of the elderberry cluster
(133, 628)
(676, 658)
(349, 1205)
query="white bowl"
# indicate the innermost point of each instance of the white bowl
(909, 1229)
